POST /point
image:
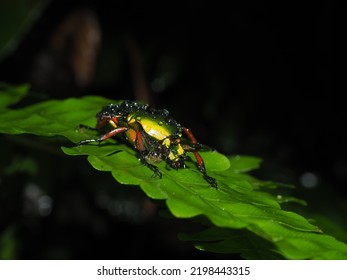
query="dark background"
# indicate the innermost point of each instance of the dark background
(258, 78)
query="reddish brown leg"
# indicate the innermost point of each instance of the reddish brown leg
(200, 161)
(112, 133)
(105, 136)
(190, 135)
(104, 120)
(139, 142)
(101, 123)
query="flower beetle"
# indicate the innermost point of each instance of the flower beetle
(152, 132)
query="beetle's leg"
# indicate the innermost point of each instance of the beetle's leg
(141, 148)
(111, 120)
(101, 123)
(105, 136)
(200, 161)
(202, 169)
(139, 142)
(156, 171)
(190, 135)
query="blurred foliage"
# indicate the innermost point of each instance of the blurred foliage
(17, 16)
(7, 244)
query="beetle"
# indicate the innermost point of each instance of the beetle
(152, 132)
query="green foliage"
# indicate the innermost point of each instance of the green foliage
(241, 216)
(17, 16)
(7, 244)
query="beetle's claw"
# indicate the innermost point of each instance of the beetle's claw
(157, 173)
(211, 181)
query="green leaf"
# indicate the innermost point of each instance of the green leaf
(244, 164)
(11, 95)
(239, 205)
(231, 241)
(53, 118)
(8, 244)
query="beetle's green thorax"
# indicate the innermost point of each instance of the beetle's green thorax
(162, 129)
(157, 126)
